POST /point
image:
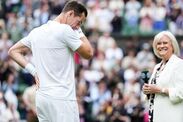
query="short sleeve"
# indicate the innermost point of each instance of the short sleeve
(71, 38)
(26, 41)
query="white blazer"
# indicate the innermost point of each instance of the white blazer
(169, 108)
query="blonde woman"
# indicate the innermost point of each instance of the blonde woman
(165, 86)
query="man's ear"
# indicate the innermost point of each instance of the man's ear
(70, 13)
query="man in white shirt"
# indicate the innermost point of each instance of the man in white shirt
(53, 45)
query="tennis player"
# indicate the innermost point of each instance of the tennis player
(53, 45)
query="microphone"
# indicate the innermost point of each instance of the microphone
(145, 76)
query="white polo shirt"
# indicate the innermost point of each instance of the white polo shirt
(53, 45)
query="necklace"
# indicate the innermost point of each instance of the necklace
(152, 96)
(161, 68)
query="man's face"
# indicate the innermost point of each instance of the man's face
(75, 21)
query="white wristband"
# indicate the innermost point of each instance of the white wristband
(80, 33)
(31, 69)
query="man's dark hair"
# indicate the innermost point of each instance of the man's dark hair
(77, 7)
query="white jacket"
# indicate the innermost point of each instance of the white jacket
(170, 108)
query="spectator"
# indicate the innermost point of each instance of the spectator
(2, 26)
(130, 59)
(179, 23)
(145, 57)
(105, 41)
(159, 22)
(100, 95)
(104, 17)
(29, 100)
(5, 44)
(146, 17)
(132, 8)
(181, 49)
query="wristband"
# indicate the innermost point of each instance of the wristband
(80, 33)
(31, 69)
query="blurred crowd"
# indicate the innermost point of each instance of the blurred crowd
(109, 85)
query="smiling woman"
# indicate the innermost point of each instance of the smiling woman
(166, 83)
(165, 42)
(164, 48)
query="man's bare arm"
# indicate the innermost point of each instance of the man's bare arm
(17, 52)
(85, 50)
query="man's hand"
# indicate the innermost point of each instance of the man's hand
(79, 32)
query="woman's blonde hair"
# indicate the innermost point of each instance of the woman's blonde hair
(176, 49)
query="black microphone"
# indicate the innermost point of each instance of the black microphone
(145, 76)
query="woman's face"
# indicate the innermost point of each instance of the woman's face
(164, 47)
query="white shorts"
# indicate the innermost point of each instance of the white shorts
(56, 110)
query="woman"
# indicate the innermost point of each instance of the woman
(165, 86)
